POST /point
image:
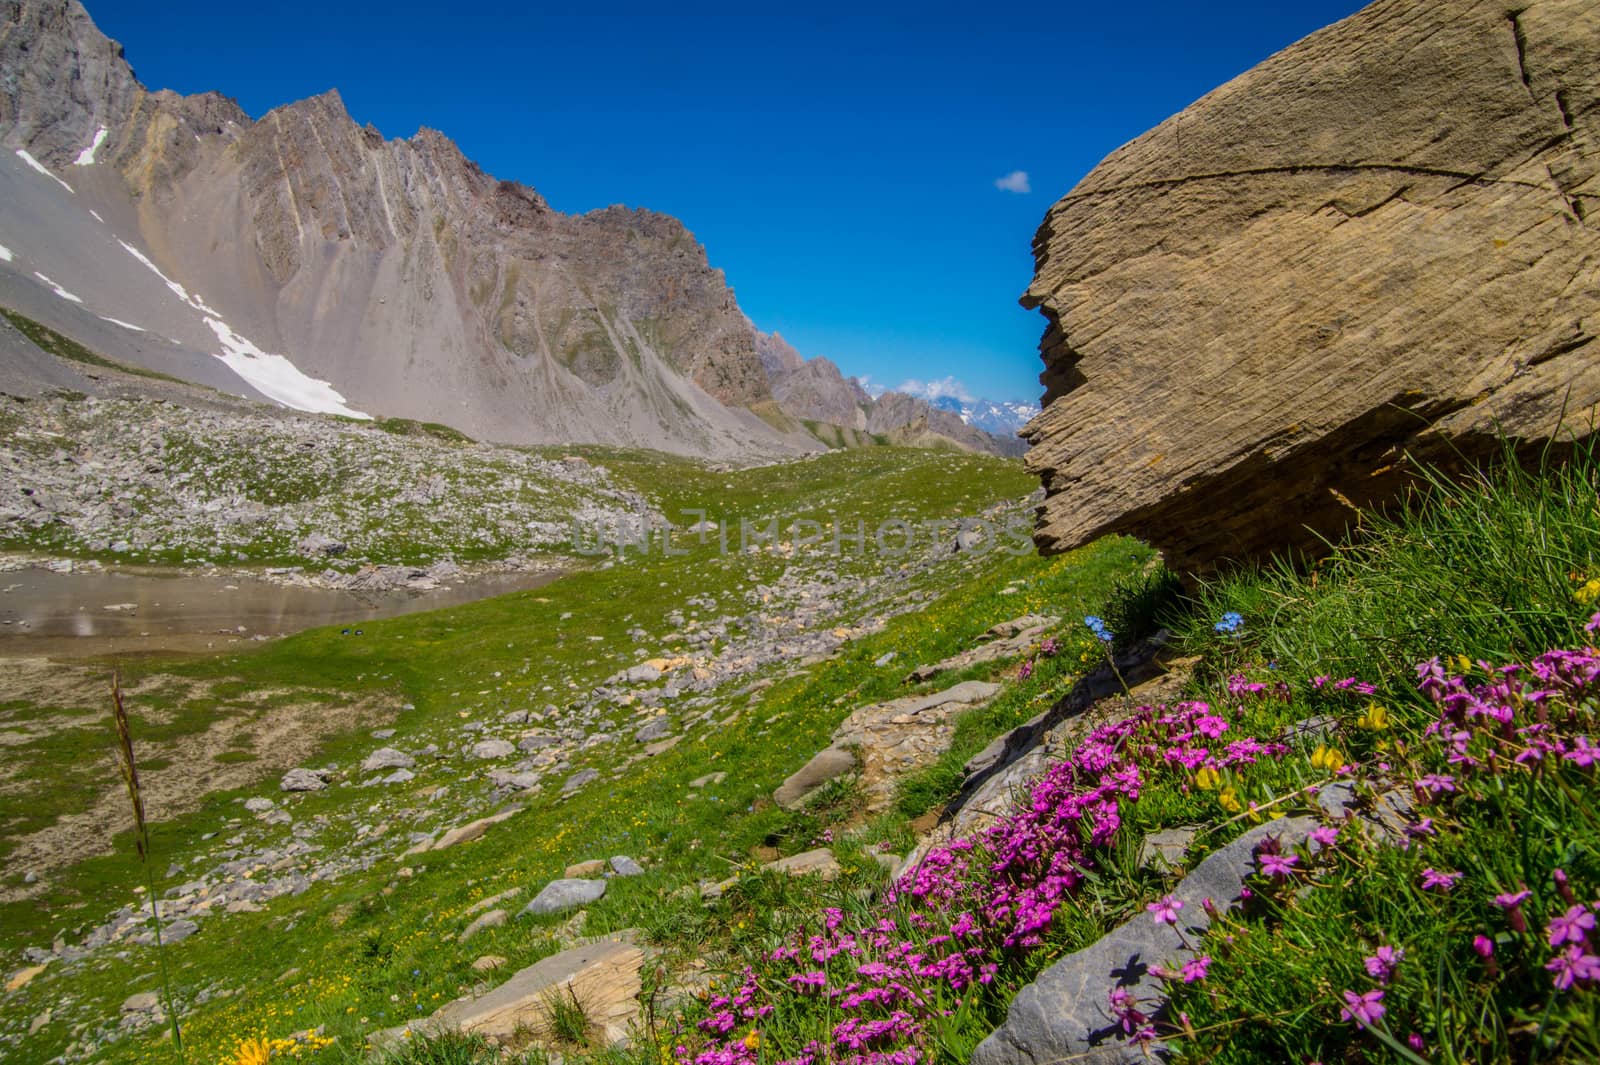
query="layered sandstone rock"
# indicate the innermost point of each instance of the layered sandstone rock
(1381, 240)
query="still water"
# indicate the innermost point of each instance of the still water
(115, 612)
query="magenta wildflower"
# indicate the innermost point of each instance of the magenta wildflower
(1026, 671)
(1484, 946)
(1573, 965)
(1511, 902)
(1573, 926)
(1583, 753)
(1165, 910)
(1434, 880)
(1277, 865)
(1436, 784)
(1194, 970)
(1382, 963)
(1364, 1009)
(1324, 835)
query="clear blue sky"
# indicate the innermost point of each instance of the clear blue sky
(838, 164)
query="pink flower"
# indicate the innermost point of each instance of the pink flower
(1278, 865)
(1436, 784)
(1484, 946)
(1165, 909)
(1194, 970)
(1572, 966)
(1434, 880)
(1382, 964)
(1324, 835)
(1573, 926)
(1363, 1009)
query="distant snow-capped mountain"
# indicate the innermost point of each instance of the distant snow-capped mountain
(1000, 418)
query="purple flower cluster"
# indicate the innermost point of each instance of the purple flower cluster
(943, 931)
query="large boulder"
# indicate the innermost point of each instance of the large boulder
(1380, 240)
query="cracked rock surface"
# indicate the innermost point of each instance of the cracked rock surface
(1381, 239)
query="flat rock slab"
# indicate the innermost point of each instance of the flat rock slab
(303, 780)
(603, 977)
(387, 758)
(1065, 1014)
(1017, 643)
(884, 741)
(566, 894)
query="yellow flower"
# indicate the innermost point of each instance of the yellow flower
(753, 1040)
(1376, 718)
(1589, 592)
(1463, 664)
(1228, 799)
(252, 1052)
(1327, 758)
(1207, 778)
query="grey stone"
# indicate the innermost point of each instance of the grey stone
(492, 919)
(388, 758)
(1065, 1014)
(622, 865)
(579, 779)
(709, 780)
(654, 729)
(303, 780)
(178, 931)
(536, 741)
(487, 749)
(567, 894)
(1167, 847)
(830, 763)
(259, 805)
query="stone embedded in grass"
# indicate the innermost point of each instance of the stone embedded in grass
(592, 867)
(487, 749)
(399, 776)
(622, 865)
(827, 764)
(536, 741)
(654, 729)
(709, 780)
(258, 805)
(304, 780)
(492, 919)
(603, 976)
(388, 758)
(487, 963)
(579, 779)
(560, 895)
(818, 862)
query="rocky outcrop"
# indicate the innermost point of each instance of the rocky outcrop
(1379, 241)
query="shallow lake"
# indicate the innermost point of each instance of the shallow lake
(118, 612)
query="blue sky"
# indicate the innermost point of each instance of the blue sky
(838, 163)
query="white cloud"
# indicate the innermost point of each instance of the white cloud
(869, 386)
(1016, 181)
(932, 390)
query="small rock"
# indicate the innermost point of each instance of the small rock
(884, 659)
(492, 919)
(579, 779)
(388, 758)
(143, 1002)
(486, 749)
(178, 931)
(303, 780)
(559, 895)
(488, 963)
(400, 776)
(622, 865)
(593, 867)
(709, 780)
(654, 729)
(819, 862)
(258, 805)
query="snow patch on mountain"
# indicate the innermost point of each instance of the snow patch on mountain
(59, 291)
(86, 157)
(31, 161)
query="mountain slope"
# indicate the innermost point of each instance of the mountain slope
(350, 274)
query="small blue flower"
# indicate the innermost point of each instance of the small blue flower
(1231, 622)
(1098, 627)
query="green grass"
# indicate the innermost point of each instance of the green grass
(361, 940)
